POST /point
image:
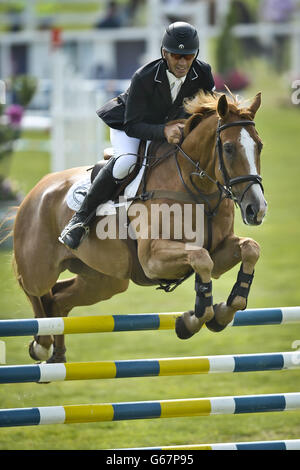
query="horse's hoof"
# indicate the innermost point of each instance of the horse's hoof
(213, 325)
(38, 352)
(181, 330)
(58, 356)
(56, 359)
(31, 351)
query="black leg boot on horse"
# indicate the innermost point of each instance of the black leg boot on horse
(102, 189)
(203, 299)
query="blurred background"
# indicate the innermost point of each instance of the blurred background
(59, 62)
(71, 56)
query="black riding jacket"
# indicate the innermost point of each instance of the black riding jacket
(145, 108)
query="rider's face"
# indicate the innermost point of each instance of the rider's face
(178, 64)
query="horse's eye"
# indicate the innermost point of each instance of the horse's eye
(229, 148)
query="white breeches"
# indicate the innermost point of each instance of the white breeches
(125, 153)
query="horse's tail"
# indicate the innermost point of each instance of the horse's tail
(6, 230)
(16, 272)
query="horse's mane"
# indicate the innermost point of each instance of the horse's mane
(206, 103)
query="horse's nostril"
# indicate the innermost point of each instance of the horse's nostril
(250, 212)
(254, 215)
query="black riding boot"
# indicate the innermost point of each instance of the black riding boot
(101, 190)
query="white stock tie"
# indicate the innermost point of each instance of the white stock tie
(175, 85)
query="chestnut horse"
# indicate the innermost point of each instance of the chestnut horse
(217, 165)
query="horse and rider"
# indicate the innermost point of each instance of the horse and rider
(204, 149)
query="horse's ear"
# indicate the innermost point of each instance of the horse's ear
(191, 123)
(255, 105)
(222, 107)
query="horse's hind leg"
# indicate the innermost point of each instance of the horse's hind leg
(232, 251)
(58, 350)
(41, 348)
(87, 288)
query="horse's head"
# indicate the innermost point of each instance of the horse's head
(236, 167)
(238, 163)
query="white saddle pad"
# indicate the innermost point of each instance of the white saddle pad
(78, 190)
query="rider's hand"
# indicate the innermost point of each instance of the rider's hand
(173, 132)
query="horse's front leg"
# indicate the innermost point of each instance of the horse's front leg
(232, 251)
(162, 259)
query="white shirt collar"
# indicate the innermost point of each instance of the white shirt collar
(172, 79)
(175, 84)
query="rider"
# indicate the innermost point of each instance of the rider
(154, 98)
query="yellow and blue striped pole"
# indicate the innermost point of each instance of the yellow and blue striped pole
(146, 321)
(69, 414)
(291, 444)
(149, 367)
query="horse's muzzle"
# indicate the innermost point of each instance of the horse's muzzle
(254, 206)
(254, 216)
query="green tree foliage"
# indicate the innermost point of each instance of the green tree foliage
(228, 50)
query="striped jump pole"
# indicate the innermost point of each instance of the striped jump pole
(292, 444)
(69, 414)
(149, 367)
(148, 321)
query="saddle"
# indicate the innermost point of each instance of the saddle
(108, 153)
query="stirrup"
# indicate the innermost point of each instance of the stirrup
(68, 230)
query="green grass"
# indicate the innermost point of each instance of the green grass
(276, 284)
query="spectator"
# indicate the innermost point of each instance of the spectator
(278, 11)
(243, 15)
(14, 19)
(112, 18)
(132, 10)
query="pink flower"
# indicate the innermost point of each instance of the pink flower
(236, 80)
(219, 82)
(14, 113)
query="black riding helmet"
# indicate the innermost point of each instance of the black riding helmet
(181, 38)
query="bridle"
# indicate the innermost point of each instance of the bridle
(230, 182)
(225, 189)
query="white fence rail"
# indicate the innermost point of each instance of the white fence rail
(78, 135)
